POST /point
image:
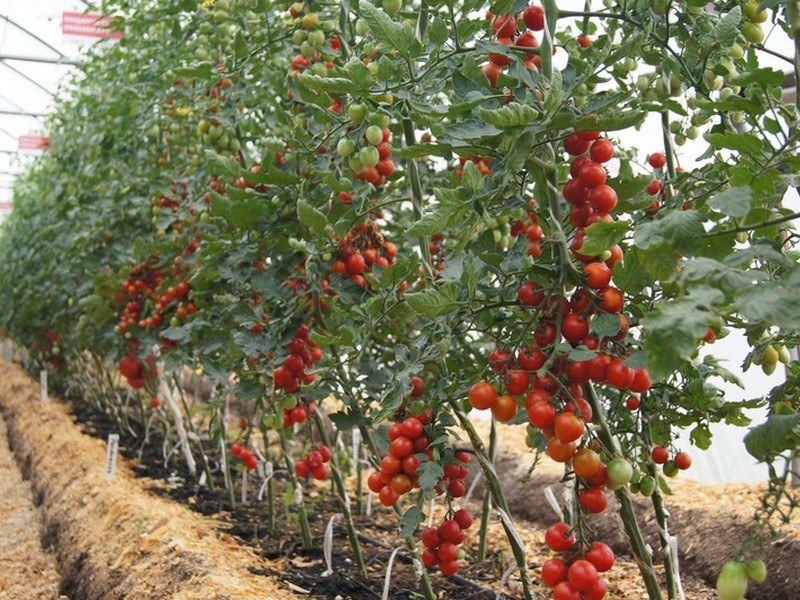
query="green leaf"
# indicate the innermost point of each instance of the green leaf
(672, 331)
(334, 85)
(778, 434)
(611, 121)
(681, 229)
(746, 143)
(660, 260)
(771, 302)
(554, 95)
(763, 76)
(399, 36)
(629, 274)
(438, 32)
(420, 150)
(451, 208)
(434, 302)
(510, 115)
(430, 474)
(734, 202)
(310, 216)
(727, 28)
(606, 325)
(602, 235)
(240, 46)
(223, 165)
(410, 521)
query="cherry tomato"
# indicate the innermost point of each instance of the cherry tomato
(554, 571)
(582, 574)
(557, 539)
(598, 275)
(482, 395)
(505, 407)
(594, 500)
(601, 556)
(586, 463)
(569, 427)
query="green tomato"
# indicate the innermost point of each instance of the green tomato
(736, 51)
(362, 27)
(357, 112)
(374, 135)
(753, 14)
(317, 37)
(620, 472)
(380, 120)
(753, 32)
(630, 64)
(783, 354)
(306, 49)
(345, 147)
(372, 67)
(299, 36)
(647, 486)
(732, 581)
(670, 470)
(770, 356)
(392, 6)
(205, 217)
(757, 570)
(675, 127)
(369, 156)
(692, 133)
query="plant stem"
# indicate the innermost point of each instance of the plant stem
(496, 489)
(344, 503)
(305, 529)
(487, 499)
(641, 553)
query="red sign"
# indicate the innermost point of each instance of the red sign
(88, 25)
(34, 142)
(6, 206)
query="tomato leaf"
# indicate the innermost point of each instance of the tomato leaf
(777, 434)
(510, 115)
(734, 202)
(430, 473)
(435, 302)
(410, 521)
(310, 216)
(602, 235)
(397, 35)
(727, 28)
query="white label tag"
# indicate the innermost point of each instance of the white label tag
(111, 456)
(43, 385)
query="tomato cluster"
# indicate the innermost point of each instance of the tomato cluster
(570, 575)
(481, 163)
(314, 463)
(362, 248)
(249, 459)
(441, 543)
(505, 29)
(373, 163)
(136, 371)
(531, 230)
(142, 282)
(398, 472)
(303, 353)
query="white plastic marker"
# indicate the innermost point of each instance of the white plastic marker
(111, 456)
(244, 486)
(356, 445)
(43, 385)
(327, 548)
(388, 579)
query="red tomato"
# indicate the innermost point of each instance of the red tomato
(565, 591)
(682, 460)
(569, 427)
(598, 275)
(517, 381)
(603, 198)
(575, 145)
(411, 428)
(601, 556)
(611, 299)
(530, 294)
(601, 150)
(430, 538)
(582, 574)
(574, 328)
(657, 160)
(619, 375)
(592, 174)
(594, 500)
(447, 551)
(448, 568)
(586, 463)
(401, 447)
(464, 518)
(557, 539)
(554, 571)
(533, 16)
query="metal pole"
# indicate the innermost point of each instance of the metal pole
(33, 35)
(39, 59)
(21, 113)
(21, 74)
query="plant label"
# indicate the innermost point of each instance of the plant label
(111, 455)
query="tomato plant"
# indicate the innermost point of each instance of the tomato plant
(410, 208)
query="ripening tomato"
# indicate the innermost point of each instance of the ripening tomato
(401, 484)
(504, 25)
(557, 539)
(586, 463)
(560, 451)
(633, 403)
(598, 275)
(682, 460)
(530, 294)
(499, 359)
(387, 496)
(569, 427)
(492, 72)
(482, 395)
(505, 408)
(619, 472)
(611, 299)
